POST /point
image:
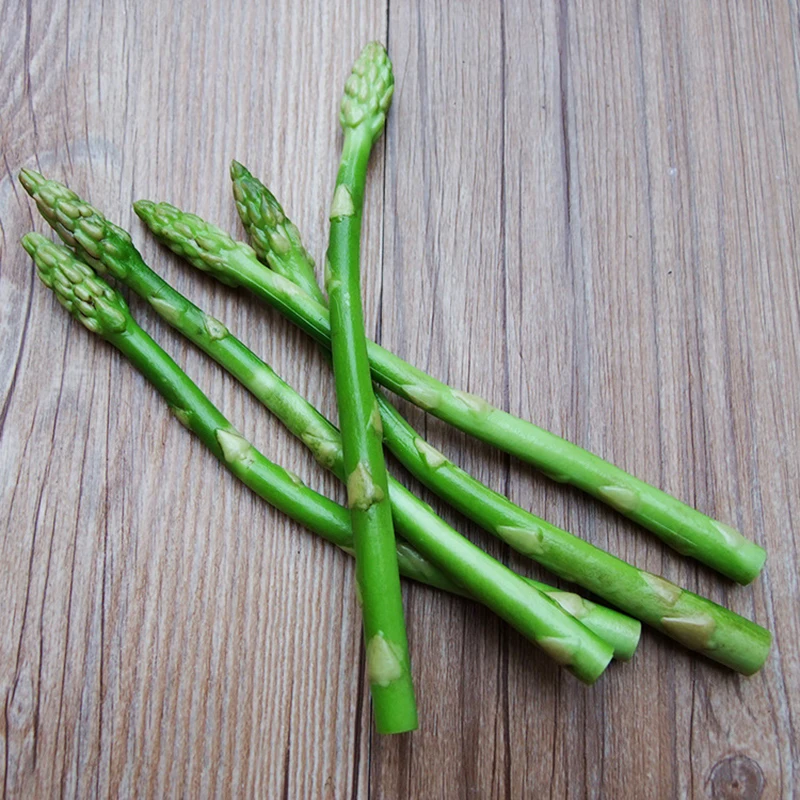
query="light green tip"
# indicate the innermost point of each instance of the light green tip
(203, 245)
(100, 243)
(272, 235)
(86, 296)
(368, 91)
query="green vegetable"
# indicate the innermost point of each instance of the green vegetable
(110, 250)
(103, 311)
(686, 530)
(680, 614)
(366, 99)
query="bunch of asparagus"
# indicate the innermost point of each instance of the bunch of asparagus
(577, 633)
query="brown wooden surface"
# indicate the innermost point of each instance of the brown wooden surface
(584, 212)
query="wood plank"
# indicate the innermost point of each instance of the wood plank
(582, 212)
(443, 283)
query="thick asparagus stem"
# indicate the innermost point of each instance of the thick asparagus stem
(652, 600)
(744, 645)
(102, 310)
(683, 528)
(111, 251)
(366, 99)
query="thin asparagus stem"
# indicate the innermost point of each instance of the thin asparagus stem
(366, 99)
(663, 605)
(681, 527)
(103, 311)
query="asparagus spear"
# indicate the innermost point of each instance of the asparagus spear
(103, 311)
(366, 99)
(683, 528)
(661, 604)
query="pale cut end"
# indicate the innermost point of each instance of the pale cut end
(368, 92)
(384, 661)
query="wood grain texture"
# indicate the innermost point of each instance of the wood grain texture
(584, 212)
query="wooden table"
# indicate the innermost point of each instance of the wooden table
(583, 212)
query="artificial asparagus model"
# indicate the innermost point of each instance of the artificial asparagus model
(683, 528)
(692, 620)
(103, 311)
(366, 99)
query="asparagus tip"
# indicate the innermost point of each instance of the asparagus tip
(83, 293)
(368, 91)
(238, 170)
(31, 180)
(144, 208)
(30, 241)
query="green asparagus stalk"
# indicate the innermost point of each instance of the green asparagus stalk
(366, 99)
(102, 310)
(683, 528)
(661, 604)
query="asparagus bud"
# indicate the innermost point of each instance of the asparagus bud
(86, 296)
(275, 239)
(368, 92)
(97, 241)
